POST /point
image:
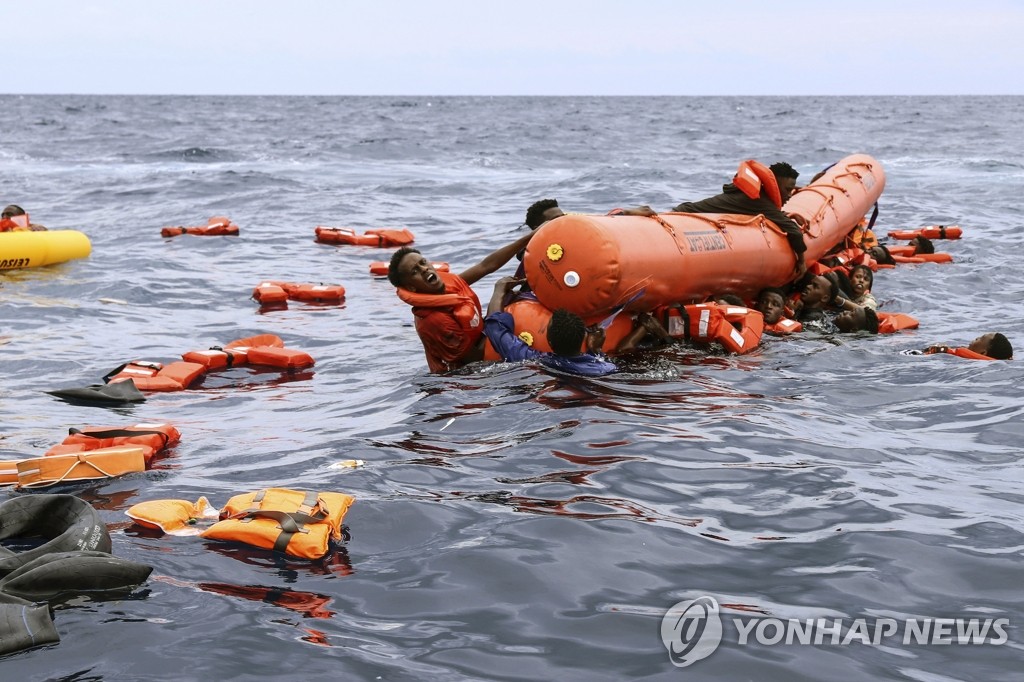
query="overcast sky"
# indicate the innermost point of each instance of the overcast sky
(517, 47)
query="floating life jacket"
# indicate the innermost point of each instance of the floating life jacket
(380, 238)
(103, 463)
(889, 323)
(736, 328)
(216, 226)
(783, 327)
(752, 177)
(300, 524)
(314, 293)
(269, 293)
(153, 376)
(929, 232)
(965, 353)
(380, 268)
(174, 517)
(151, 437)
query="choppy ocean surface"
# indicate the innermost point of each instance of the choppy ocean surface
(509, 524)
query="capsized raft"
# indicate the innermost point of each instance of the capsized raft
(592, 264)
(35, 249)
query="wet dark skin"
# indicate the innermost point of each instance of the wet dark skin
(772, 307)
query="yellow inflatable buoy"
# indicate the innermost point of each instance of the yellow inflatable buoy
(35, 249)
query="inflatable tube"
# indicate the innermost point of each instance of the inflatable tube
(24, 625)
(36, 249)
(54, 575)
(64, 521)
(591, 264)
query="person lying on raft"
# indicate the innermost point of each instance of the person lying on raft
(566, 334)
(733, 200)
(446, 312)
(14, 219)
(992, 346)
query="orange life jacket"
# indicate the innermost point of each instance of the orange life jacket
(216, 226)
(269, 293)
(752, 177)
(151, 437)
(380, 268)
(232, 354)
(152, 376)
(315, 293)
(465, 306)
(174, 517)
(965, 353)
(889, 323)
(784, 326)
(923, 258)
(738, 329)
(301, 524)
(929, 232)
(380, 238)
(16, 223)
(40, 472)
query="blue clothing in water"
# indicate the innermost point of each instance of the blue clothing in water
(500, 330)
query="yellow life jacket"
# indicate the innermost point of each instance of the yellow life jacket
(295, 522)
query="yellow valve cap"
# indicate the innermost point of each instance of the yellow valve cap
(555, 252)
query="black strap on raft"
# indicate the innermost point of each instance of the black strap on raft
(875, 216)
(942, 231)
(290, 522)
(119, 433)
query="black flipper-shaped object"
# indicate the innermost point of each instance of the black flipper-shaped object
(117, 393)
(73, 573)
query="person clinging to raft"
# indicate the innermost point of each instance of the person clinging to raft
(14, 219)
(447, 314)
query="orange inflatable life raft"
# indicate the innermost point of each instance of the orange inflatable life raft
(152, 438)
(103, 463)
(380, 238)
(591, 264)
(300, 524)
(380, 268)
(929, 232)
(215, 227)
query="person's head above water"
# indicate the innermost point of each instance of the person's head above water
(861, 279)
(881, 255)
(785, 176)
(772, 304)
(922, 245)
(566, 333)
(857, 320)
(11, 211)
(541, 212)
(409, 269)
(994, 345)
(818, 292)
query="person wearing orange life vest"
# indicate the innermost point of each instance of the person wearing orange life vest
(14, 219)
(992, 346)
(447, 313)
(771, 303)
(768, 203)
